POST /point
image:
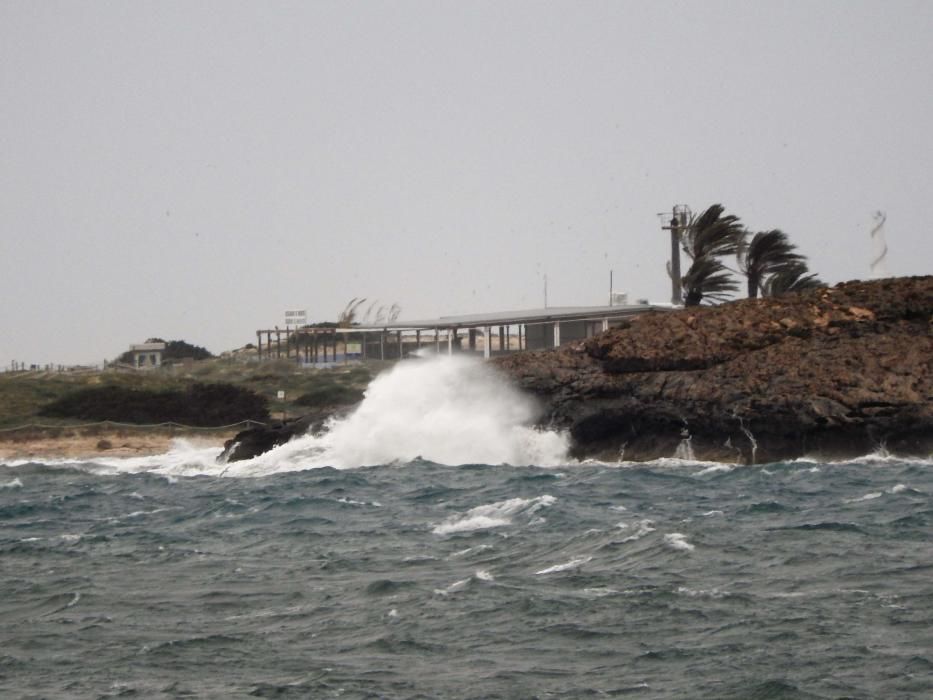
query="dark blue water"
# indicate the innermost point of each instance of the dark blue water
(667, 580)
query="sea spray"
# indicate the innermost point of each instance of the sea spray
(449, 410)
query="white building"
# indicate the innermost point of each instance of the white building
(147, 355)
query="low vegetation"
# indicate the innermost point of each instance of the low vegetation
(26, 396)
(200, 405)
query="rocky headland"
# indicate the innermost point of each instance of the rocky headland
(836, 372)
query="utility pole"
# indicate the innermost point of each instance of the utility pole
(677, 224)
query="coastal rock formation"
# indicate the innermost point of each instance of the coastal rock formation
(253, 442)
(834, 372)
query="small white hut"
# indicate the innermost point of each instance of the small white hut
(147, 355)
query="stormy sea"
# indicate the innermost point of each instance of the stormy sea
(432, 545)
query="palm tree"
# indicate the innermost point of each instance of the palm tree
(707, 237)
(768, 253)
(791, 278)
(707, 279)
(348, 316)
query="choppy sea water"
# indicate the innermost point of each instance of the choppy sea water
(417, 580)
(446, 573)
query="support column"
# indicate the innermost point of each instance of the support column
(450, 341)
(418, 339)
(278, 344)
(487, 346)
(676, 291)
(605, 325)
(399, 336)
(556, 334)
(259, 345)
(501, 338)
(382, 345)
(437, 341)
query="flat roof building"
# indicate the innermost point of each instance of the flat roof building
(147, 355)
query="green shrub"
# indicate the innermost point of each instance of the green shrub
(201, 405)
(330, 394)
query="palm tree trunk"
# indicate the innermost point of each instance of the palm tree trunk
(752, 286)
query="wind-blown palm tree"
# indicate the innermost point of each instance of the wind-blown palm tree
(791, 278)
(706, 238)
(707, 279)
(768, 253)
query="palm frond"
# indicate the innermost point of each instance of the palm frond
(707, 280)
(711, 234)
(767, 253)
(349, 313)
(791, 278)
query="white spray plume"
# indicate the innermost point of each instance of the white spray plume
(450, 410)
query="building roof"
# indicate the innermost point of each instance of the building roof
(527, 316)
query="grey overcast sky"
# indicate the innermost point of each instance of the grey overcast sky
(190, 170)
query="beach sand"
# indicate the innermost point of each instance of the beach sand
(82, 444)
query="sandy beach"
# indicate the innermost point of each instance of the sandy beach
(80, 444)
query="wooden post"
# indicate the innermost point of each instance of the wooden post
(399, 333)
(501, 338)
(382, 345)
(259, 344)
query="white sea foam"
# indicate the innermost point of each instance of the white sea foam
(15, 484)
(867, 497)
(714, 593)
(452, 588)
(572, 564)
(717, 469)
(471, 550)
(642, 528)
(676, 540)
(493, 515)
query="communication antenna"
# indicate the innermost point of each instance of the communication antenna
(879, 248)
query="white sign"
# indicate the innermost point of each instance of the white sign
(298, 317)
(281, 395)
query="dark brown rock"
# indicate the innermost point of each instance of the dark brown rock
(834, 372)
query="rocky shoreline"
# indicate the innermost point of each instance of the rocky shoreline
(835, 373)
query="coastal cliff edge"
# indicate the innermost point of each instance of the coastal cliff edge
(834, 372)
